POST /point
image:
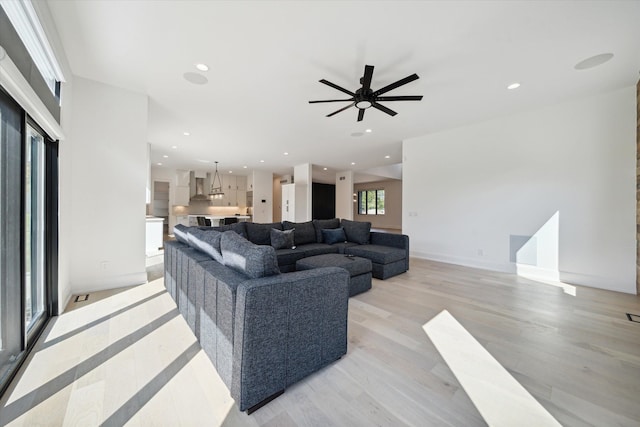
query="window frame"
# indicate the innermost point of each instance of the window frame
(363, 209)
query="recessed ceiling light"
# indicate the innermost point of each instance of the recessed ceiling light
(513, 86)
(175, 147)
(387, 157)
(195, 78)
(286, 154)
(165, 156)
(261, 161)
(324, 168)
(593, 61)
(159, 164)
(353, 163)
(244, 167)
(186, 133)
(202, 67)
(230, 171)
(368, 131)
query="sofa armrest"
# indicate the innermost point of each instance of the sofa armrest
(286, 327)
(394, 240)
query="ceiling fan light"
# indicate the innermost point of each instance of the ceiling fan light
(363, 105)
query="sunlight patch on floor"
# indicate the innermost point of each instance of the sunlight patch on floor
(499, 398)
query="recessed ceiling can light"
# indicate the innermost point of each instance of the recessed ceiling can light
(202, 67)
(195, 78)
(286, 154)
(175, 147)
(513, 86)
(244, 167)
(165, 156)
(593, 61)
(368, 130)
(324, 169)
(261, 161)
(159, 164)
(230, 171)
(353, 163)
(186, 133)
(387, 157)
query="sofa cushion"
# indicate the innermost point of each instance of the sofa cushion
(321, 224)
(376, 253)
(357, 231)
(282, 239)
(180, 231)
(207, 241)
(238, 227)
(312, 249)
(245, 257)
(343, 245)
(260, 234)
(333, 235)
(305, 231)
(289, 256)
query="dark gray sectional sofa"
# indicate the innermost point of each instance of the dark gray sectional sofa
(263, 325)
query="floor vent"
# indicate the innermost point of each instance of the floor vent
(633, 317)
(80, 298)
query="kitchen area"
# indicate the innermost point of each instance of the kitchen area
(193, 198)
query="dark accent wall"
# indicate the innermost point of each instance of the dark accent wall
(323, 201)
(11, 43)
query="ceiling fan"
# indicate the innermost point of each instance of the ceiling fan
(365, 97)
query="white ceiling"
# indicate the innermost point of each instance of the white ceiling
(266, 58)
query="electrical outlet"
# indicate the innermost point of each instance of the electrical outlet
(480, 252)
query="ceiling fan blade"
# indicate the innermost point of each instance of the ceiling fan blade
(342, 109)
(400, 98)
(360, 115)
(366, 79)
(380, 107)
(331, 100)
(399, 83)
(335, 86)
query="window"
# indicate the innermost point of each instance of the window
(371, 202)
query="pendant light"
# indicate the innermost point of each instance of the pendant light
(216, 192)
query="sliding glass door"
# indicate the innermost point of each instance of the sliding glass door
(34, 217)
(28, 234)
(11, 332)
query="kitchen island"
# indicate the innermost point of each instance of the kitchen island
(217, 220)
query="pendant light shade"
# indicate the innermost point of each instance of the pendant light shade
(216, 191)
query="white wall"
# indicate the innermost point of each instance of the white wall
(344, 195)
(467, 190)
(262, 190)
(302, 178)
(103, 187)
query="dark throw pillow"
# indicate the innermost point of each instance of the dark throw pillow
(357, 231)
(333, 235)
(244, 257)
(282, 239)
(321, 224)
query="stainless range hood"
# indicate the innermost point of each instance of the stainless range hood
(200, 190)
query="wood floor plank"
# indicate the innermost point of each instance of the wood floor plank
(124, 358)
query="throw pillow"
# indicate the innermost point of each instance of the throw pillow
(180, 231)
(282, 239)
(357, 231)
(207, 241)
(333, 235)
(241, 255)
(321, 224)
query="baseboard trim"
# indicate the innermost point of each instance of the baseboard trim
(105, 283)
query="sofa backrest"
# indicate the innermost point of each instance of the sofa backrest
(321, 224)
(303, 232)
(247, 258)
(260, 234)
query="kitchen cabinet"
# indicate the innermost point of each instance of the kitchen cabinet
(230, 198)
(182, 178)
(181, 196)
(241, 196)
(241, 183)
(289, 202)
(228, 183)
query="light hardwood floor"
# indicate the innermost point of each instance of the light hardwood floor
(127, 357)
